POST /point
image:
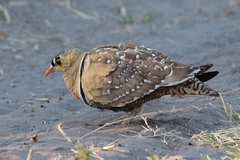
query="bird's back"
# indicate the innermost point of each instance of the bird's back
(126, 75)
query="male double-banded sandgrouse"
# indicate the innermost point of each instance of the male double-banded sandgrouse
(122, 77)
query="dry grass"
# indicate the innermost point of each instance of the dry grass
(110, 145)
(5, 14)
(126, 18)
(67, 4)
(153, 132)
(151, 157)
(118, 121)
(29, 154)
(81, 152)
(228, 139)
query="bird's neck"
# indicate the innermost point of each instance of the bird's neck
(72, 77)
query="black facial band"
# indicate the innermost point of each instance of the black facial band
(53, 64)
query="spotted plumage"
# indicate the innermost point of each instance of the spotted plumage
(122, 77)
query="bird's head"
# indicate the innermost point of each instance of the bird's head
(63, 61)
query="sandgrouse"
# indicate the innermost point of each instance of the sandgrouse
(122, 77)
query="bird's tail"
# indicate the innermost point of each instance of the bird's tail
(195, 87)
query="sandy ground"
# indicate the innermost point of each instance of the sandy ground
(192, 32)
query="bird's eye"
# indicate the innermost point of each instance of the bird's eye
(58, 61)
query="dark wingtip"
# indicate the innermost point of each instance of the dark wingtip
(206, 76)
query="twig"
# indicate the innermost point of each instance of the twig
(234, 90)
(45, 37)
(80, 14)
(1, 71)
(21, 106)
(14, 124)
(6, 14)
(42, 99)
(110, 145)
(63, 133)
(47, 130)
(29, 154)
(225, 108)
(48, 23)
(111, 123)
(83, 15)
(154, 131)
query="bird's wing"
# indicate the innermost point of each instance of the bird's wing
(119, 74)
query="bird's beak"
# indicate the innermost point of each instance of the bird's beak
(48, 71)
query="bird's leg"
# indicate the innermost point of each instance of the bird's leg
(173, 92)
(133, 113)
